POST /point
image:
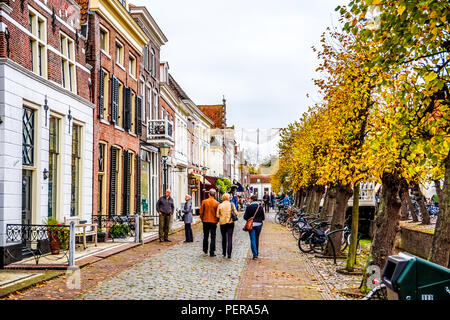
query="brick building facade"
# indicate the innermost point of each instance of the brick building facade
(115, 44)
(46, 126)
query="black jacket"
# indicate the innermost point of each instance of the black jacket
(165, 206)
(250, 211)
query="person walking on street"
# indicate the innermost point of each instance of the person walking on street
(165, 209)
(187, 218)
(266, 199)
(254, 209)
(226, 224)
(208, 211)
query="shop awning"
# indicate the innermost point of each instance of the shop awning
(212, 182)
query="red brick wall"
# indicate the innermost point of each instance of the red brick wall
(19, 42)
(102, 131)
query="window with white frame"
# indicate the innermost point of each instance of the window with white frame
(153, 62)
(104, 39)
(119, 53)
(38, 41)
(69, 78)
(132, 66)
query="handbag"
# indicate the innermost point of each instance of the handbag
(233, 215)
(249, 224)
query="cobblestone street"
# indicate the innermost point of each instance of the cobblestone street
(180, 271)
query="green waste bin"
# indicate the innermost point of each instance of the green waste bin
(408, 277)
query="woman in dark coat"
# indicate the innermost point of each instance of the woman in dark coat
(187, 218)
(257, 224)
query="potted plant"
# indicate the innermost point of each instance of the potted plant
(101, 236)
(53, 230)
(119, 230)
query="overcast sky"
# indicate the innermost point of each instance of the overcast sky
(255, 52)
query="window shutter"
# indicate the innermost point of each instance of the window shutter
(113, 182)
(126, 182)
(102, 94)
(127, 108)
(138, 115)
(138, 184)
(114, 99)
(146, 57)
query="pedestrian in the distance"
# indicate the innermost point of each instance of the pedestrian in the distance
(224, 211)
(255, 210)
(266, 199)
(165, 209)
(187, 218)
(208, 211)
(272, 200)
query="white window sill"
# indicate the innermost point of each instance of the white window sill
(133, 77)
(105, 53)
(120, 66)
(105, 122)
(119, 128)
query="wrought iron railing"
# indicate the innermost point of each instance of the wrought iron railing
(159, 129)
(32, 240)
(115, 227)
(151, 218)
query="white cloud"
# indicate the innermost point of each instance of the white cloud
(256, 52)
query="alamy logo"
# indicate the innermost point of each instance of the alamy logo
(67, 12)
(374, 277)
(73, 278)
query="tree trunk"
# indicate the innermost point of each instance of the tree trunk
(387, 221)
(323, 212)
(311, 199)
(381, 208)
(440, 249)
(331, 204)
(437, 186)
(405, 213)
(351, 258)
(338, 220)
(319, 194)
(411, 207)
(421, 202)
(303, 199)
(309, 195)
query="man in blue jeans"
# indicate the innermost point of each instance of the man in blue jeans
(255, 210)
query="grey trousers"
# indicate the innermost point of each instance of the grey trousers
(164, 224)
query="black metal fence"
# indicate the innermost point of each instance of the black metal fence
(34, 241)
(115, 227)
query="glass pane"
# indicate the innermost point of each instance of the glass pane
(28, 137)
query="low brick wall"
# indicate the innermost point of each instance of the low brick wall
(416, 242)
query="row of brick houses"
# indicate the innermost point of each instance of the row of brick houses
(86, 105)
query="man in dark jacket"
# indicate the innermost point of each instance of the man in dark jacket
(266, 200)
(165, 209)
(257, 224)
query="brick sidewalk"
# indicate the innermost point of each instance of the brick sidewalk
(94, 274)
(280, 273)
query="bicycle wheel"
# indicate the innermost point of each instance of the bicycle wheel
(277, 217)
(289, 225)
(345, 241)
(317, 248)
(304, 245)
(358, 245)
(296, 232)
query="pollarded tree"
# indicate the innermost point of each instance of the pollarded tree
(412, 40)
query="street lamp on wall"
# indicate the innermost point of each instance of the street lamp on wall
(164, 149)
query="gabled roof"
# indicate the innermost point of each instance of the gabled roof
(145, 20)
